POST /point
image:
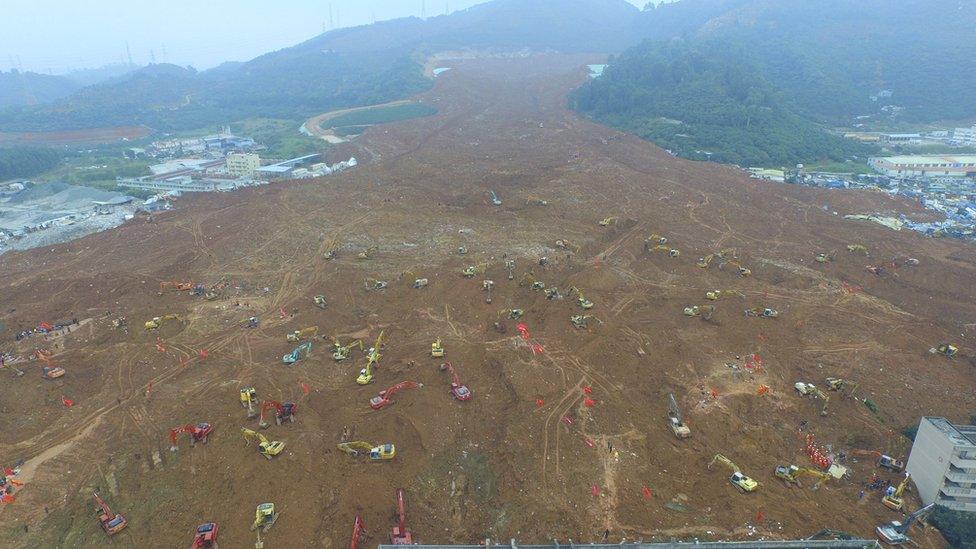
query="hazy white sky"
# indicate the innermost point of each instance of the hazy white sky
(56, 35)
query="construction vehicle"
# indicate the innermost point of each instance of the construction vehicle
(296, 354)
(809, 389)
(510, 268)
(304, 333)
(459, 390)
(705, 260)
(111, 522)
(462, 250)
(367, 253)
(385, 397)
(472, 270)
(373, 284)
(264, 517)
(727, 254)
(704, 311)
(715, 295)
(654, 239)
(283, 412)
(742, 271)
(666, 249)
(495, 201)
(791, 475)
(739, 480)
(857, 249)
(249, 397)
(341, 352)
(119, 323)
(268, 448)
(606, 222)
(580, 321)
(198, 433)
(895, 532)
(179, 286)
(420, 283)
(945, 350)
(584, 303)
(763, 313)
(158, 321)
(838, 384)
(376, 452)
(206, 536)
(320, 301)
(358, 532)
(894, 500)
(252, 322)
(675, 420)
(198, 290)
(824, 257)
(400, 534)
(487, 286)
(372, 357)
(564, 244)
(535, 201)
(881, 460)
(437, 349)
(333, 250)
(52, 372)
(512, 314)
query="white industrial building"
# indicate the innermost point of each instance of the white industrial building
(925, 166)
(943, 463)
(243, 164)
(964, 136)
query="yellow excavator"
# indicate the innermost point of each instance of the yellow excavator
(825, 257)
(529, 280)
(838, 384)
(807, 389)
(264, 517)
(268, 448)
(299, 335)
(249, 399)
(320, 301)
(894, 500)
(372, 357)
(791, 475)
(341, 352)
(580, 321)
(714, 295)
(580, 298)
(437, 349)
(607, 221)
(382, 452)
(857, 249)
(332, 250)
(367, 253)
(742, 271)
(740, 481)
(703, 311)
(158, 321)
(705, 260)
(654, 239)
(945, 349)
(672, 252)
(473, 270)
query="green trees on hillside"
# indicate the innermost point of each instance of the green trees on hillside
(26, 161)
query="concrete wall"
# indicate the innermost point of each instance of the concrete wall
(929, 460)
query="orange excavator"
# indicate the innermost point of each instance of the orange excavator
(180, 286)
(206, 536)
(358, 532)
(385, 397)
(283, 412)
(401, 535)
(198, 433)
(882, 460)
(459, 390)
(112, 522)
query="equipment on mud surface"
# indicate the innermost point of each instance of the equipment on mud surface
(763, 313)
(198, 433)
(472, 270)
(462, 250)
(340, 352)
(494, 199)
(564, 244)
(268, 448)
(675, 420)
(654, 239)
(320, 301)
(180, 286)
(894, 533)
(809, 389)
(111, 522)
(373, 284)
(512, 314)
(510, 267)
(420, 283)
(667, 249)
(742, 271)
(206, 536)
(119, 323)
(436, 349)
(459, 390)
(739, 480)
(552, 293)
(385, 397)
(401, 535)
(838, 384)
(824, 257)
(283, 412)
(894, 500)
(535, 201)
(367, 253)
(791, 475)
(580, 321)
(705, 260)
(372, 357)
(487, 286)
(265, 517)
(296, 354)
(49, 372)
(945, 350)
(857, 249)
(715, 295)
(158, 321)
(249, 396)
(358, 532)
(381, 452)
(299, 335)
(580, 299)
(606, 222)
(704, 311)
(881, 460)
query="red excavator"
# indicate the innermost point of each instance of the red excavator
(384, 397)
(206, 536)
(458, 389)
(401, 535)
(358, 532)
(283, 412)
(112, 522)
(198, 433)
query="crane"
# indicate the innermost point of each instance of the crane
(882, 460)
(495, 201)
(299, 335)
(206, 536)
(376, 452)
(268, 448)
(459, 390)
(198, 433)
(792, 474)
(838, 384)
(265, 517)
(372, 358)
(894, 533)
(249, 397)
(584, 303)
(437, 349)
(296, 354)
(739, 480)
(283, 412)
(158, 321)
(675, 422)
(811, 389)
(385, 397)
(341, 352)
(401, 535)
(358, 532)
(111, 522)
(894, 499)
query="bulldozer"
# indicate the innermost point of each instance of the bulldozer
(946, 350)
(675, 420)
(376, 452)
(791, 475)
(249, 397)
(437, 349)
(741, 482)
(264, 517)
(581, 300)
(607, 221)
(304, 333)
(341, 352)
(158, 321)
(473, 270)
(373, 284)
(367, 253)
(809, 389)
(838, 384)
(268, 448)
(320, 301)
(894, 500)
(763, 313)
(704, 311)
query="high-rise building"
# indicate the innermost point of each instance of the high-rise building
(943, 463)
(243, 164)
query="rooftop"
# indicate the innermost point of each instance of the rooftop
(933, 159)
(960, 434)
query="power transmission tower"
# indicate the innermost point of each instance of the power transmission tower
(152, 57)
(128, 52)
(423, 9)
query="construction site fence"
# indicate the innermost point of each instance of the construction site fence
(779, 544)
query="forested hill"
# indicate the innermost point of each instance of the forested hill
(28, 88)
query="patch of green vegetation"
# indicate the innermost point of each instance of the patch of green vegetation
(381, 115)
(957, 527)
(27, 161)
(910, 432)
(839, 167)
(346, 131)
(281, 136)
